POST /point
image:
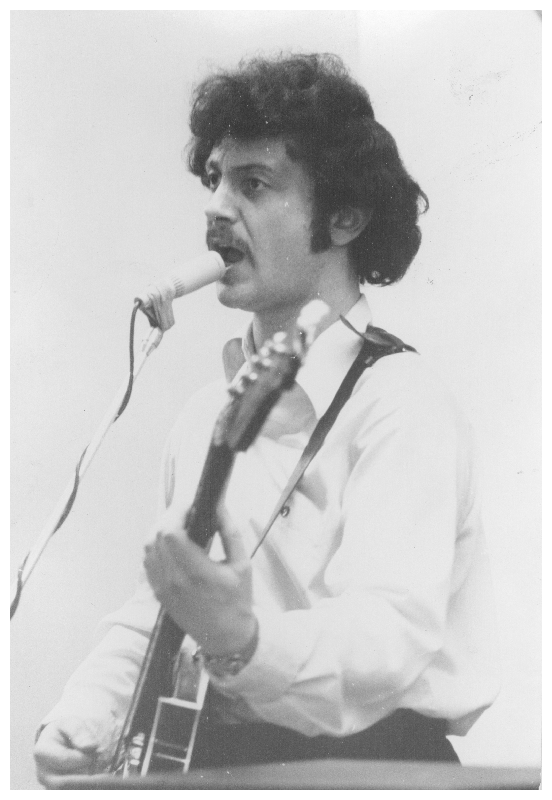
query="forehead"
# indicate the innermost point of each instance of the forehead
(268, 152)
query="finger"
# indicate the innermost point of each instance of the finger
(161, 565)
(78, 734)
(173, 561)
(187, 557)
(231, 537)
(56, 756)
(152, 567)
(70, 732)
(173, 520)
(68, 762)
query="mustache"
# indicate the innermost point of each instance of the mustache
(221, 236)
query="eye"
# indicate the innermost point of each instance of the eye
(211, 180)
(253, 186)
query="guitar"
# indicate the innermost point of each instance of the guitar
(159, 731)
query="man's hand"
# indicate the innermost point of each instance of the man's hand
(65, 747)
(210, 600)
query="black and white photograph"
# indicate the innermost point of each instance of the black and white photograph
(275, 399)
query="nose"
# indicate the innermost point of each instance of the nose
(221, 205)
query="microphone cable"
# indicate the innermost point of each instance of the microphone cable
(70, 502)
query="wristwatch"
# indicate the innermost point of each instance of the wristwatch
(229, 665)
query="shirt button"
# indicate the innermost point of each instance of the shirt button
(285, 511)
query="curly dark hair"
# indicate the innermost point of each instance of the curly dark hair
(328, 125)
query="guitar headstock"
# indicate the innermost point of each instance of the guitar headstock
(271, 371)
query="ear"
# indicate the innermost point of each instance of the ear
(346, 224)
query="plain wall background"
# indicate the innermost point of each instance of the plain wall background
(101, 201)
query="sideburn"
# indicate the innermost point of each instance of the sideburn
(321, 239)
(297, 149)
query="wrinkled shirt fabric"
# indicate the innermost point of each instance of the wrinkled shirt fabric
(372, 592)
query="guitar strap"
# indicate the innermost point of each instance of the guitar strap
(376, 344)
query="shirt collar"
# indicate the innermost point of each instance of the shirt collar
(327, 362)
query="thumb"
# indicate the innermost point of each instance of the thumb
(65, 747)
(173, 519)
(80, 734)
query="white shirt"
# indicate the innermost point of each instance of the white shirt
(373, 593)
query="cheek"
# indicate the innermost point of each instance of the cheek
(290, 231)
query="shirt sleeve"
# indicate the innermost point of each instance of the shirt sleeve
(389, 580)
(101, 688)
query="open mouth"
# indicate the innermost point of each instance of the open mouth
(231, 255)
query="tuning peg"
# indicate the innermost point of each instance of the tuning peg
(264, 351)
(310, 318)
(236, 389)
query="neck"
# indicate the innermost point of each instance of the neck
(267, 323)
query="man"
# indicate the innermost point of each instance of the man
(362, 626)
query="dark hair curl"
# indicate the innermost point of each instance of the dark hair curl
(327, 122)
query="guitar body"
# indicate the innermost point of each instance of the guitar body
(161, 724)
(176, 719)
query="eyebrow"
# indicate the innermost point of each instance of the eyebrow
(212, 163)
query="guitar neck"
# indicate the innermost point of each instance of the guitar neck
(201, 521)
(157, 672)
(252, 395)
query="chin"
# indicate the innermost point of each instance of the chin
(231, 297)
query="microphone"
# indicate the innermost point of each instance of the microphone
(156, 299)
